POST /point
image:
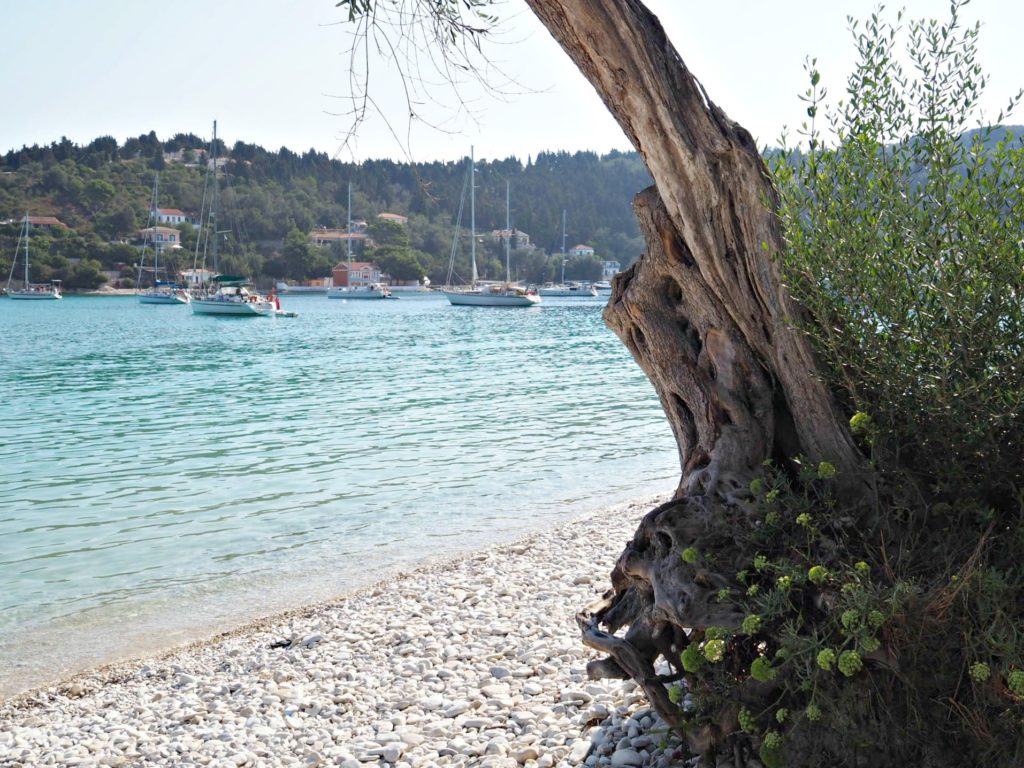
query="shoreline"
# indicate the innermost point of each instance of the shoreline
(471, 659)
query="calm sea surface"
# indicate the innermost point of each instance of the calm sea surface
(163, 475)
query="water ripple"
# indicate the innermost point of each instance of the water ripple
(158, 461)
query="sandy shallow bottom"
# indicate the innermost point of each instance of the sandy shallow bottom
(473, 661)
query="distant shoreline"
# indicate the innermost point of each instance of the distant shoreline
(104, 292)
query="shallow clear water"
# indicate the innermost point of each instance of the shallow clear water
(164, 474)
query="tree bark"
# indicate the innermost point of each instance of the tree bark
(703, 312)
(705, 315)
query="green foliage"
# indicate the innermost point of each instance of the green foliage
(903, 234)
(895, 626)
(853, 647)
(400, 263)
(86, 275)
(102, 192)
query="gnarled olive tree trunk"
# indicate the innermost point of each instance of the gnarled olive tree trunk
(705, 315)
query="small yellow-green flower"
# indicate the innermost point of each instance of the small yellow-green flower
(675, 694)
(762, 670)
(826, 470)
(817, 574)
(862, 568)
(751, 624)
(714, 650)
(1015, 681)
(850, 619)
(752, 590)
(803, 519)
(980, 672)
(760, 562)
(876, 619)
(813, 712)
(746, 720)
(827, 659)
(870, 644)
(756, 485)
(859, 422)
(690, 555)
(771, 518)
(772, 740)
(782, 714)
(691, 658)
(785, 582)
(850, 663)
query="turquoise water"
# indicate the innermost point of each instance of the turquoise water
(163, 475)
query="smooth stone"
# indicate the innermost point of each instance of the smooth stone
(580, 750)
(626, 757)
(392, 752)
(522, 755)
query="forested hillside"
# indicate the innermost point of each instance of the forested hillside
(272, 200)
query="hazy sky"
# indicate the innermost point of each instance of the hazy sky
(272, 73)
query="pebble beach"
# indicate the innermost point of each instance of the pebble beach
(473, 661)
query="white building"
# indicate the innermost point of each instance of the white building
(197, 277)
(610, 269)
(169, 216)
(160, 238)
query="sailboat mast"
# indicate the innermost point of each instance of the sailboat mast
(154, 217)
(213, 198)
(508, 238)
(348, 233)
(472, 212)
(26, 250)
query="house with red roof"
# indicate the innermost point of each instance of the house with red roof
(326, 236)
(170, 216)
(50, 222)
(361, 274)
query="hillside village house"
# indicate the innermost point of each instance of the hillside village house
(581, 250)
(45, 222)
(324, 236)
(516, 237)
(169, 216)
(161, 238)
(196, 277)
(610, 269)
(363, 273)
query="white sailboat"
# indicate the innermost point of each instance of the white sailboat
(28, 290)
(162, 291)
(489, 295)
(230, 295)
(569, 291)
(563, 289)
(350, 291)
